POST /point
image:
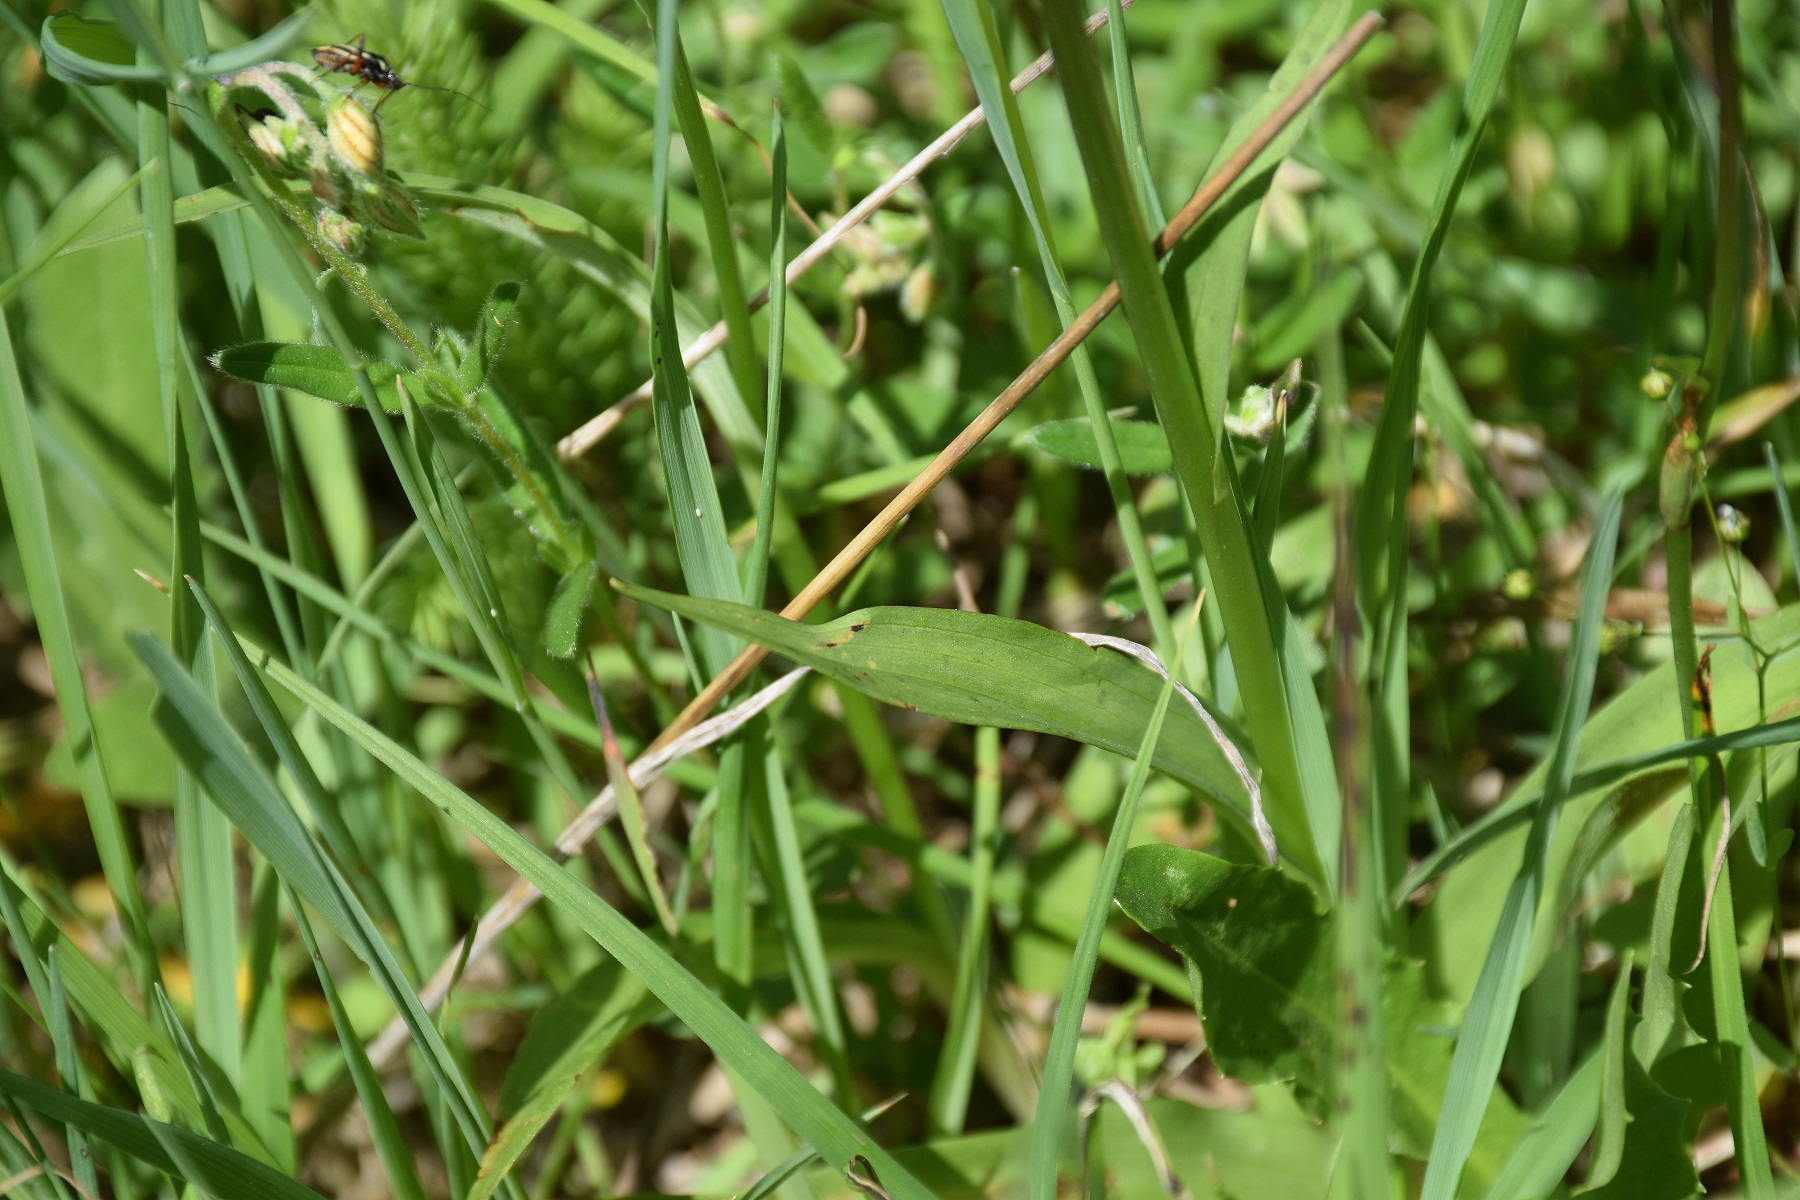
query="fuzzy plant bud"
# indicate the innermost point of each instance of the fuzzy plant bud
(325, 185)
(391, 207)
(1734, 526)
(278, 139)
(354, 135)
(341, 231)
(1656, 383)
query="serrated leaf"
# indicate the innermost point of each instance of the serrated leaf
(1143, 446)
(316, 370)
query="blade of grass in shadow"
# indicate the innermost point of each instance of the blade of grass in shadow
(738, 1046)
(756, 565)
(972, 23)
(1050, 1119)
(266, 1094)
(1785, 505)
(1381, 520)
(243, 790)
(22, 482)
(631, 812)
(384, 1130)
(1281, 710)
(1488, 1023)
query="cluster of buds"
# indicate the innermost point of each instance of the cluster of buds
(342, 161)
(891, 251)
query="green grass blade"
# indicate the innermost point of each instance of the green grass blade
(384, 1131)
(1131, 117)
(756, 566)
(1281, 710)
(1543, 1157)
(738, 1046)
(972, 23)
(706, 559)
(215, 1169)
(1785, 504)
(812, 972)
(1487, 1026)
(266, 1095)
(242, 789)
(1047, 1124)
(68, 1065)
(1381, 522)
(28, 513)
(190, 1062)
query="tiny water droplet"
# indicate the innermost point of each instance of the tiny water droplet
(696, 512)
(494, 613)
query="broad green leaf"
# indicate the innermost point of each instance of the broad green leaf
(1269, 990)
(217, 1170)
(738, 1046)
(1143, 447)
(978, 669)
(316, 370)
(566, 1039)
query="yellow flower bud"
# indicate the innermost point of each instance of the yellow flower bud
(354, 134)
(1655, 383)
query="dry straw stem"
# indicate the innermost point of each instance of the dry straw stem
(522, 895)
(594, 431)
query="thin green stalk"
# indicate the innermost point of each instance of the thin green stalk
(1048, 1121)
(955, 1077)
(756, 567)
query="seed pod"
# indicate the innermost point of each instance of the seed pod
(1734, 526)
(1656, 383)
(355, 136)
(391, 207)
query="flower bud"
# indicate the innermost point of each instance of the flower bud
(1656, 383)
(278, 139)
(1518, 584)
(354, 134)
(341, 231)
(389, 206)
(325, 187)
(1734, 526)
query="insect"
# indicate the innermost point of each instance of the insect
(354, 58)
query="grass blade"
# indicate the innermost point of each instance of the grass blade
(738, 1046)
(1281, 711)
(1488, 1023)
(1047, 1124)
(23, 485)
(972, 22)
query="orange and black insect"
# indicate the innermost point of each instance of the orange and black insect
(354, 58)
